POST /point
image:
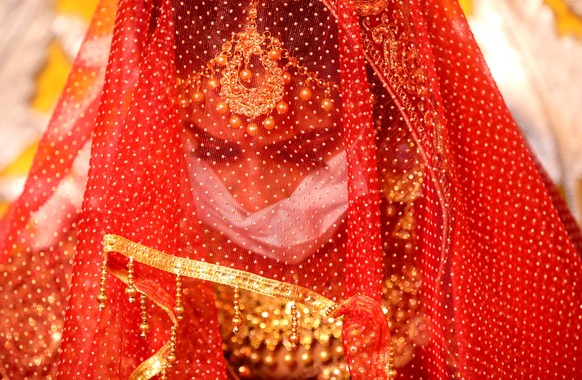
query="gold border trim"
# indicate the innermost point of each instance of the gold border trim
(152, 366)
(218, 274)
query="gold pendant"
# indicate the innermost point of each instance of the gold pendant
(252, 71)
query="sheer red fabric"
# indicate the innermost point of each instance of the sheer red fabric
(350, 159)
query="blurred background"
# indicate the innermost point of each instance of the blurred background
(533, 48)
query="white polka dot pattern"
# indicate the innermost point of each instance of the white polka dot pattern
(381, 171)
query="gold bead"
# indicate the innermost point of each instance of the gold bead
(131, 293)
(287, 77)
(102, 298)
(179, 309)
(305, 93)
(275, 54)
(244, 372)
(324, 356)
(282, 107)
(255, 358)
(213, 83)
(222, 107)
(246, 75)
(269, 123)
(252, 129)
(235, 121)
(237, 321)
(269, 360)
(289, 359)
(306, 358)
(198, 96)
(327, 104)
(144, 327)
(294, 338)
(221, 59)
(171, 359)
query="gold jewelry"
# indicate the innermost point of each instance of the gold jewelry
(102, 297)
(294, 337)
(237, 318)
(178, 307)
(144, 326)
(268, 325)
(131, 291)
(244, 93)
(171, 358)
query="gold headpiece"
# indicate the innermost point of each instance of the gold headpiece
(243, 93)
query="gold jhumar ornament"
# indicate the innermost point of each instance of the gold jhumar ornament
(252, 72)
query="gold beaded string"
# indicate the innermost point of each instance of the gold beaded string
(102, 297)
(294, 337)
(391, 370)
(237, 318)
(171, 358)
(130, 291)
(144, 326)
(179, 310)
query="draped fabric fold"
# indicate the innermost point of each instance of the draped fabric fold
(366, 338)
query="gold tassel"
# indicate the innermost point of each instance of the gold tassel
(102, 297)
(131, 291)
(144, 326)
(237, 318)
(294, 337)
(178, 308)
(171, 358)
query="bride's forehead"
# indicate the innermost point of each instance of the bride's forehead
(308, 29)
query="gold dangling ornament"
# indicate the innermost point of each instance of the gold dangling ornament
(130, 291)
(171, 358)
(144, 326)
(237, 318)
(179, 310)
(248, 92)
(102, 297)
(178, 307)
(294, 337)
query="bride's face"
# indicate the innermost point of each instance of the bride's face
(265, 168)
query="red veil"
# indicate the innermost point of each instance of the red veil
(358, 165)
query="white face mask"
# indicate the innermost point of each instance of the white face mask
(290, 230)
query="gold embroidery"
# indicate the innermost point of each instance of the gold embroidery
(370, 7)
(393, 50)
(218, 274)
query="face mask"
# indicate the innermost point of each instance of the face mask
(290, 230)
